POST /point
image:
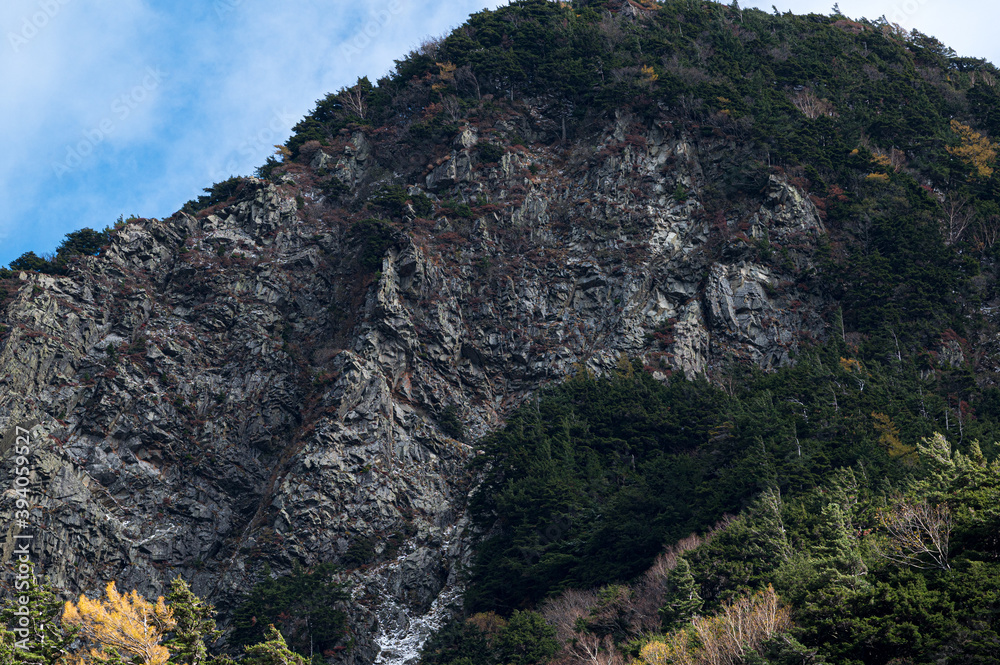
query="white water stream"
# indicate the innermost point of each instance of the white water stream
(401, 630)
(401, 634)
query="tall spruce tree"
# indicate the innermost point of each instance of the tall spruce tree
(272, 651)
(44, 640)
(683, 599)
(195, 625)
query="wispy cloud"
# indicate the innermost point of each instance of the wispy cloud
(967, 26)
(234, 76)
(135, 106)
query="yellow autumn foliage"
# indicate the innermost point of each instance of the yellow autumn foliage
(889, 437)
(724, 639)
(850, 365)
(882, 159)
(127, 624)
(975, 150)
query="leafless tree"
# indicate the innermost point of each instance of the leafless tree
(465, 79)
(811, 105)
(430, 46)
(590, 649)
(987, 231)
(638, 605)
(918, 534)
(355, 101)
(564, 611)
(610, 28)
(726, 638)
(452, 107)
(958, 215)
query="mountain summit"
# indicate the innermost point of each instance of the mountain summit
(297, 368)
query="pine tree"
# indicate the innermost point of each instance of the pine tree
(195, 625)
(835, 553)
(526, 640)
(272, 651)
(46, 638)
(683, 600)
(9, 653)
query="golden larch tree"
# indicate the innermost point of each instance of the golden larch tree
(975, 150)
(888, 436)
(127, 625)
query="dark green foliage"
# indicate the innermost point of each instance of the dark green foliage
(30, 261)
(334, 188)
(85, 242)
(524, 639)
(451, 424)
(458, 643)
(851, 605)
(303, 604)
(391, 198)
(374, 237)
(683, 599)
(587, 484)
(46, 639)
(273, 651)
(456, 209)
(361, 551)
(490, 152)
(195, 629)
(217, 193)
(266, 171)
(527, 640)
(422, 205)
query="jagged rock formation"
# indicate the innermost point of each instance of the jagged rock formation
(221, 391)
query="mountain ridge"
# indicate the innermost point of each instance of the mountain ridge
(297, 367)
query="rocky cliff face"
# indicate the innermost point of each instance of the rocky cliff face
(221, 391)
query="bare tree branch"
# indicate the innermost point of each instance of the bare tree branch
(918, 534)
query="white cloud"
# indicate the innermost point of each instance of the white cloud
(89, 135)
(236, 74)
(967, 26)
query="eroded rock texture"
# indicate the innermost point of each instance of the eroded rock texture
(221, 391)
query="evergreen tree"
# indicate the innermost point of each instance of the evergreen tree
(30, 261)
(527, 640)
(272, 651)
(195, 627)
(835, 551)
(683, 600)
(304, 604)
(9, 653)
(47, 639)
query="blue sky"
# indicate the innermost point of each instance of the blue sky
(132, 107)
